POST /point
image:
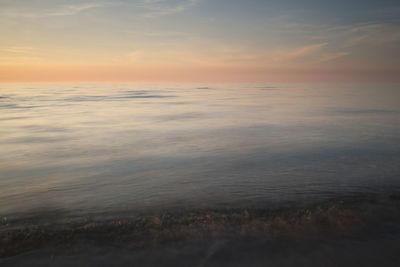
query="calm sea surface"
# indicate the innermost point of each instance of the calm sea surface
(200, 175)
(150, 147)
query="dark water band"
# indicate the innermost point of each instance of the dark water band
(331, 219)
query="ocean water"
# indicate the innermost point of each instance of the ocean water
(259, 163)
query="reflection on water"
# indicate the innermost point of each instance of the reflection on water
(200, 175)
(93, 148)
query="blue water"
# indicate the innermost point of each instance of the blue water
(92, 148)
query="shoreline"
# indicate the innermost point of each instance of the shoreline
(356, 218)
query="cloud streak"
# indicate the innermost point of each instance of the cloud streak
(329, 57)
(158, 8)
(71, 10)
(64, 10)
(298, 53)
(19, 54)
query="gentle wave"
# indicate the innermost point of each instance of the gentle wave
(365, 215)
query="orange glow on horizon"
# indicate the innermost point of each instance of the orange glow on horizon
(128, 73)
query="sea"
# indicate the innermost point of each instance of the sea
(244, 174)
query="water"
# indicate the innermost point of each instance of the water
(103, 151)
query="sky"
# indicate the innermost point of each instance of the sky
(199, 41)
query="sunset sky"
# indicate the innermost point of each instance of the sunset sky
(199, 41)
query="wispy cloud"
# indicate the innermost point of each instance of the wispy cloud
(19, 54)
(18, 49)
(74, 9)
(157, 8)
(63, 10)
(298, 53)
(333, 56)
(351, 36)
